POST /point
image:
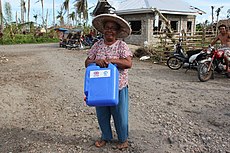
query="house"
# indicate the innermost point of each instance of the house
(149, 17)
(225, 22)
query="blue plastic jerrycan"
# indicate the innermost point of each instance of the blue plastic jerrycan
(101, 86)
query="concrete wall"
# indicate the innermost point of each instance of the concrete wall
(138, 39)
(147, 22)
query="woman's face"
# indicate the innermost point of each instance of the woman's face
(110, 31)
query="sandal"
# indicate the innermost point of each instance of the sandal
(100, 143)
(123, 145)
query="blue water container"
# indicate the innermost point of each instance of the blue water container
(101, 86)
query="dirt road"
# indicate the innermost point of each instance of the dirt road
(42, 109)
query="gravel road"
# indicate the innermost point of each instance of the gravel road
(42, 108)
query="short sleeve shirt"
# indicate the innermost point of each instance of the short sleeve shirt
(115, 51)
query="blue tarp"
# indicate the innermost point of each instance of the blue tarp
(75, 30)
(62, 29)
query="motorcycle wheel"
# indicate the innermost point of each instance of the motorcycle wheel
(203, 73)
(174, 63)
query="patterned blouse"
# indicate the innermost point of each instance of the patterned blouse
(115, 51)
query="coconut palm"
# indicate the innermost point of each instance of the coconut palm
(66, 7)
(212, 14)
(60, 16)
(36, 18)
(16, 18)
(23, 10)
(228, 15)
(42, 3)
(81, 7)
(1, 18)
(8, 12)
(53, 12)
(72, 16)
(28, 13)
(217, 17)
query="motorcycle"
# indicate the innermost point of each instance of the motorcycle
(74, 44)
(90, 41)
(214, 62)
(180, 58)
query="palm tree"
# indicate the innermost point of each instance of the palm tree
(66, 7)
(1, 18)
(60, 16)
(8, 12)
(212, 14)
(42, 3)
(81, 7)
(53, 12)
(36, 18)
(72, 16)
(23, 10)
(228, 15)
(217, 17)
(16, 18)
(28, 14)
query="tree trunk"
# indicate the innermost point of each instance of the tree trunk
(1, 18)
(28, 13)
(170, 33)
(43, 21)
(53, 13)
(22, 11)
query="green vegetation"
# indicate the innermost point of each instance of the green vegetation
(22, 30)
(26, 33)
(26, 39)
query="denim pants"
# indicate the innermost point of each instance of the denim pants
(120, 117)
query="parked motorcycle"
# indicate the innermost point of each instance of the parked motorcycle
(90, 41)
(180, 58)
(214, 62)
(75, 42)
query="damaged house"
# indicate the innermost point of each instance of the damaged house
(149, 17)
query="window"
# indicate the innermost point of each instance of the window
(189, 26)
(136, 27)
(174, 25)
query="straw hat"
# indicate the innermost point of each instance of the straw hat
(99, 21)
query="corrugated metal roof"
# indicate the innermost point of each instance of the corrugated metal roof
(162, 5)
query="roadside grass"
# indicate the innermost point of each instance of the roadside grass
(27, 39)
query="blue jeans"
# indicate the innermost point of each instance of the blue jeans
(120, 117)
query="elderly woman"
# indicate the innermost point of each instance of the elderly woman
(112, 50)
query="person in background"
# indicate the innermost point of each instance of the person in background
(224, 38)
(91, 33)
(115, 51)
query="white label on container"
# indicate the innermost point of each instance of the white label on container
(100, 74)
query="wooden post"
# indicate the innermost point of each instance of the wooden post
(203, 36)
(170, 33)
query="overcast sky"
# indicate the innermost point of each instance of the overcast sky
(204, 5)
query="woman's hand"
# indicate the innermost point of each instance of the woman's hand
(122, 63)
(102, 62)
